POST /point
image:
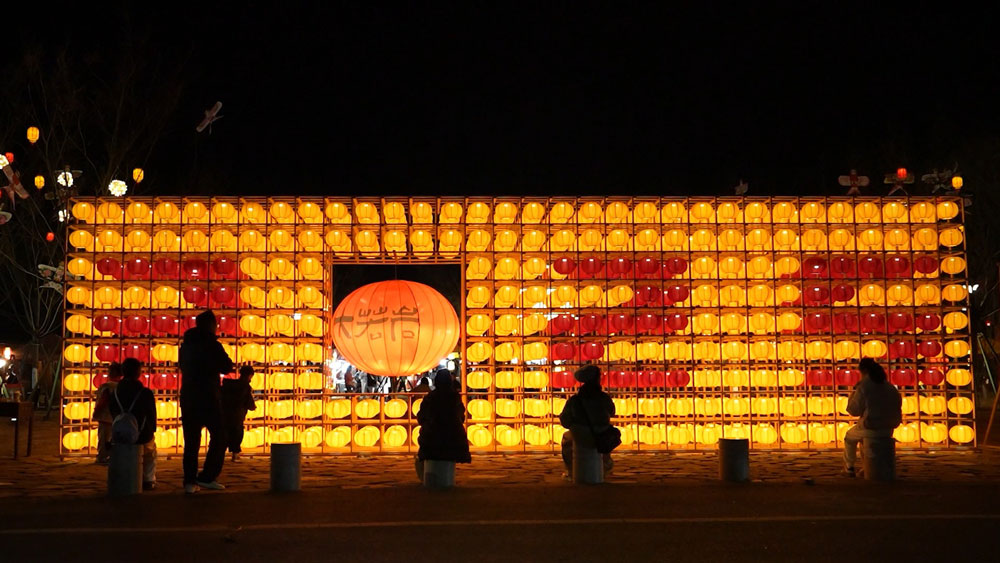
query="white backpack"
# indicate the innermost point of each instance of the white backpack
(125, 428)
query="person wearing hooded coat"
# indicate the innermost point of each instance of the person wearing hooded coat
(202, 361)
(586, 413)
(442, 424)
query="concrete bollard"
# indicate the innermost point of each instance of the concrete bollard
(734, 460)
(439, 474)
(588, 466)
(125, 470)
(286, 467)
(879, 459)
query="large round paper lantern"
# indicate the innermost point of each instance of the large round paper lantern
(395, 328)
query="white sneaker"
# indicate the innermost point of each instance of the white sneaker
(214, 485)
(190, 488)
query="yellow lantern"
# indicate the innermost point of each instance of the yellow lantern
(784, 212)
(394, 213)
(338, 437)
(954, 292)
(480, 409)
(701, 213)
(959, 377)
(894, 212)
(166, 212)
(479, 435)
(934, 432)
(561, 212)
(478, 380)
(76, 353)
(338, 408)
(962, 434)
(478, 324)
(533, 212)
(756, 212)
(338, 213)
(478, 352)
(953, 265)
(195, 212)
(947, 210)
(367, 436)
(367, 242)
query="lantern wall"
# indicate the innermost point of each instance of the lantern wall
(710, 317)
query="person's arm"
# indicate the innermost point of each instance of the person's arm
(251, 404)
(609, 406)
(856, 404)
(460, 409)
(150, 407)
(566, 416)
(225, 363)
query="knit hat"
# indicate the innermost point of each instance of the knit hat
(205, 319)
(588, 374)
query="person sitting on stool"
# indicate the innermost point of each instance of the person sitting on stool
(878, 404)
(590, 408)
(130, 395)
(442, 431)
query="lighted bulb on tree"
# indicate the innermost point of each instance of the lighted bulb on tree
(117, 188)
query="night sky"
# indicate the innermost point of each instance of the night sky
(356, 99)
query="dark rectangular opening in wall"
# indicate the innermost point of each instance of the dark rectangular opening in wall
(445, 278)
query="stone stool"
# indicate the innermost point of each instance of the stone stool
(879, 459)
(588, 465)
(734, 460)
(286, 467)
(439, 474)
(125, 470)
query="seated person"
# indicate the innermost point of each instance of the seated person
(879, 406)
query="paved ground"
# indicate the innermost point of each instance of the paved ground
(513, 508)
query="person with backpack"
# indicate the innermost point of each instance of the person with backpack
(879, 406)
(442, 430)
(134, 410)
(587, 416)
(203, 361)
(237, 399)
(102, 412)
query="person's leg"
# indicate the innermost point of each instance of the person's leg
(103, 442)
(567, 452)
(216, 455)
(608, 463)
(851, 439)
(149, 462)
(192, 445)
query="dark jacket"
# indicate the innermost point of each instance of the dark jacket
(589, 411)
(144, 410)
(878, 404)
(442, 430)
(237, 399)
(202, 361)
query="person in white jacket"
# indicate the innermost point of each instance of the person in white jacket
(879, 406)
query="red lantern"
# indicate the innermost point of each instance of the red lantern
(847, 377)
(224, 268)
(621, 323)
(674, 267)
(619, 267)
(845, 323)
(107, 323)
(647, 267)
(561, 324)
(223, 296)
(590, 267)
(843, 293)
(932, 377)
(227, 325)
(929, 348)
(902, 349)
(871, 267)
(817, 295)
(419, 327)
(901, 173)
(903, 377)
(166, 269)
(819, 377)
(137, 325)
(137, 351)
(647, 296)
(815, 267)
(925, 264)
(817, 322)
(900, 322)
(137, 269)
(99, 379)
(675, 322)
(563, 351)
(195, 269)
(108, 353)
(651, 378)
(591, 351)
(678, 293)
(50, 236)
(677, 378)
(564, 266)
(194, 295)
(873, 322)
(110, 267)
(613, 378)
(843, 267)
(898, 267)
(648, 323)
(928, 322)
(165, 325)
(592, 324)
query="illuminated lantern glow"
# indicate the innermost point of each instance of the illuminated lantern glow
(423, 337)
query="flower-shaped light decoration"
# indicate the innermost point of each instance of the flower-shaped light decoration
(117, 188)
(65, 179)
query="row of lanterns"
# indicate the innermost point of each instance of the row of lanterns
(444, 239)
(483, 436)
(279, 268)
(132, 296)
(167, 353)
(704, 351)
(162, 325)
(916, 210)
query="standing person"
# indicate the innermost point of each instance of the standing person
(442, 425)
(202, 362)
(131, 396)
(102, 412)
(879, 406)
(586, 414)
(237, 399)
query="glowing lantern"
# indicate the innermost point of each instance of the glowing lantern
(415, 314)
(367, 436)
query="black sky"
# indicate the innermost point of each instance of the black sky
(357, 98)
